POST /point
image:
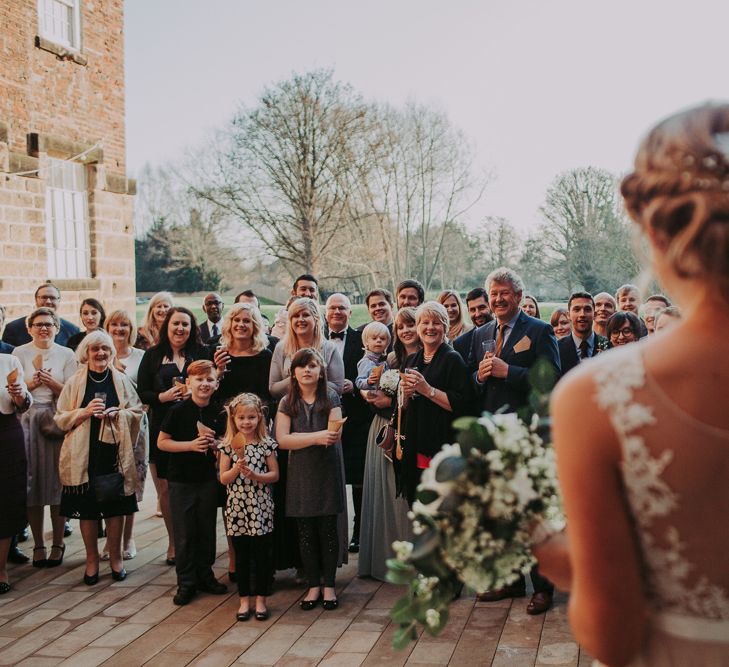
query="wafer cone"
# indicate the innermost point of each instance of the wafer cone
(239, 442)
(377, 372)
(204, 430)
(12, 376)
(336, 424)
(38, 362)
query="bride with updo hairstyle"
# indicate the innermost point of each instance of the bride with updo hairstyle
(642, 433)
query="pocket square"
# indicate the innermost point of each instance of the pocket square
(523, 345)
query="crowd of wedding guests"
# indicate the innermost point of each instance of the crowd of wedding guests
(268, 424)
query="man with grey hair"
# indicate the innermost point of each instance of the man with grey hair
(502, 353)
(348, 341)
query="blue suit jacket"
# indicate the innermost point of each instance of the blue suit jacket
(513, 390)
(462, 345)
(16, 333)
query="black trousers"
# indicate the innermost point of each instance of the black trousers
(259, 550)
(319, 545)
(193, 506)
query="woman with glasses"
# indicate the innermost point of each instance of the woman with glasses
(622, 328)
(46, 366)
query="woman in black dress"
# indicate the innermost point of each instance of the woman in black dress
(100, 412)
(14, 398)
(160, 382)
(437, 389)
(92, 316)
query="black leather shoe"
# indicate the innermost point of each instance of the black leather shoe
(215, 587)
(17, 556)
(4, 587)
(170, 561)
(23, 535)
(55, 562)
(308, 605)
(119, 576)
(91, 579)
(330, 605)
(183, 596)
(354, 546)
(67, 530)
(262, 615)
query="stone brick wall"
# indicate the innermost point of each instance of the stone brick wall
(53, 104)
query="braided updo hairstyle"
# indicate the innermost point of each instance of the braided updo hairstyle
(680, 190)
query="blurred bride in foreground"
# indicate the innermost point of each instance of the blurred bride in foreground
(645, 477)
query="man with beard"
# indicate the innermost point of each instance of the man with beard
(379, 305)
(605, 306)
(307, 286)
(583, 342)
(478, 310)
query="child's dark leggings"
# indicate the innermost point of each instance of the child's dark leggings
(258, 550)
(319, 546)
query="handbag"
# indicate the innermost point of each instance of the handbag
(385, 438)
(109, 487)
(47, 425)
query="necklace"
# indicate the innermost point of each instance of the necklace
(103, 379)
(428, 358)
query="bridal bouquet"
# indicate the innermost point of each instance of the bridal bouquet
(472, 518)
(389, 382)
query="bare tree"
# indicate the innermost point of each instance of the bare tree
(500, 242)
(286, 170)
(585, 233)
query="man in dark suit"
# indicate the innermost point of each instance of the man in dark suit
(354, 434)
(502, 375)
(583, 342)
(480, 314)
(46, 296)
(210, 329)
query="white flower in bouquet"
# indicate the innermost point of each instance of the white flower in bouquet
(389, 381)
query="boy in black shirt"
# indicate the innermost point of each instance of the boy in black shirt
(188, 432)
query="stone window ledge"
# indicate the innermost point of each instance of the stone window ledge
(63, 52)
(77, 284)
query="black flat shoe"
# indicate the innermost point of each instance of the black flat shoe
(232, 577)
(354, 546)
(170, 561)
(40, 562)
(91, 579)
(67, 530)
(308, 605)
(262, 615)
(243, 616)
(55, 562)
(4, 587)
(330, 605)
(119, 576)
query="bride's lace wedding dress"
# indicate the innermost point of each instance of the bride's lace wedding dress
(675, 470)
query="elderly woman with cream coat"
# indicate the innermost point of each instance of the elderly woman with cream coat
(101, 413)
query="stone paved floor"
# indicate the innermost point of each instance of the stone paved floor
(51, 618)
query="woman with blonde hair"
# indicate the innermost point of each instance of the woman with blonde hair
(243, 358)
(457, 323)
(651, 586)
(304, 329)
(148, 333)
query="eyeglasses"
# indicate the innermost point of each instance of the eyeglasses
(625, 333)
(43, 325)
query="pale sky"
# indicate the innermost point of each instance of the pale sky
(539, 86)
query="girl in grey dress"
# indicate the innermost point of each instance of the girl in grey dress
(315, 486)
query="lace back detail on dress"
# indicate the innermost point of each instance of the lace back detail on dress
(673, 582)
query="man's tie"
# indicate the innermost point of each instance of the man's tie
(214, 331)
(584, 348)
(336, 334)
(500, 333)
